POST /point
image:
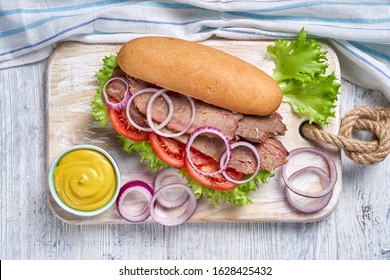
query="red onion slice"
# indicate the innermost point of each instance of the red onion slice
(173, 221)
(332, 168)
(156, 91)
(157, 129)
(127, 213)
(257, 156)
(122, 104)
(216, 131)
(169, 176)
(324, 200)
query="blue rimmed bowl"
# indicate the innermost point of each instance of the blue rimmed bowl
(62, 204)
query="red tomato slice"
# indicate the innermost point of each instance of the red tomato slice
(168, 150)
(207, 164)
(121, 124)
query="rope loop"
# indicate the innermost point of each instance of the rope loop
(375, 120)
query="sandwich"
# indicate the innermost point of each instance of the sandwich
(207, 113)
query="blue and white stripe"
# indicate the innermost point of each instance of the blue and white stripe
(360, 30)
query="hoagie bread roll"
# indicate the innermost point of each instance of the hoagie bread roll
(201, 72)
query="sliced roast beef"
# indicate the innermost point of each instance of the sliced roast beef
(258, 129)
(272, 153)
(117, 88)
(261, 131)
(137, 116)
(205, 114)
(137, 84)
(252, 128)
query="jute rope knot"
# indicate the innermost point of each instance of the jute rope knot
(375, 120)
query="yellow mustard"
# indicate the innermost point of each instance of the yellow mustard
(85, 180)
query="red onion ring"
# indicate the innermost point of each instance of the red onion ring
(191, 207)
(154, 90)
(213, 130)
(332, 168)
(324, 199)
(122, 104)
(163, 199)
(129, 214)
(157, 129)
(257, 155)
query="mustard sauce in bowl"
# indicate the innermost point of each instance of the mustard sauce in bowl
(84, 180)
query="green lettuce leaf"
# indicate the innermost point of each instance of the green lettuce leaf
(105, 73)
(238, 196)
(99, 109)
(145, 150)
(314, 99)
(301, 59)
(300, 71)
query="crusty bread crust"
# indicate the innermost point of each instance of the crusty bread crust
(201, 72)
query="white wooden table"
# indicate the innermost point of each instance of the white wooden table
(359, 228)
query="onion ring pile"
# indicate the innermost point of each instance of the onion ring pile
(160, 196)
(170, 199)
(125, 208)
(182, 218)
(328, 180)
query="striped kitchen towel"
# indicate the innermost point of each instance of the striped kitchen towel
(358, 30)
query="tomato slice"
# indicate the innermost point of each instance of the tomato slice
(121, 124)
(209, 165)
(167, 149)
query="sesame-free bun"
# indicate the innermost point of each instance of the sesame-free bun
(201, 72)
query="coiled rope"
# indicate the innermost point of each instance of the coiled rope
(375, 120)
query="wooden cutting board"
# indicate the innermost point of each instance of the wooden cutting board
(71, 85)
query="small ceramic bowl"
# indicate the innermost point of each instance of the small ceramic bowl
(57, 197)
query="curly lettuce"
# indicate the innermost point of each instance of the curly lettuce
(238, 196)
(300, 71)
(316, 98)
(145, 150)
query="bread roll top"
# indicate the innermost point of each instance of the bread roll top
(201, 72)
